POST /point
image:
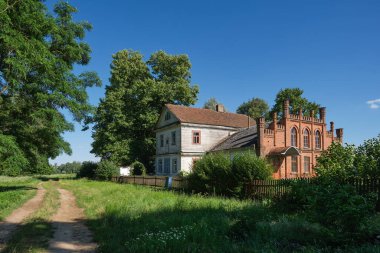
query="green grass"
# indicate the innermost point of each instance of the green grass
(33, 236)
(128, 218)
(14, 191)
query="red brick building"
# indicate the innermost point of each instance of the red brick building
(292, 143)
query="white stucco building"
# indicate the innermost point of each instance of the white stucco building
(184, 134)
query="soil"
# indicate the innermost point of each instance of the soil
(71, 234)
(10, 224)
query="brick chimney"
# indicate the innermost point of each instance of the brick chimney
(220, 108)
(322, 114)
(260, 124)
(286, 108)
(339, 134)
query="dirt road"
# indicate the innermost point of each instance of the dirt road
(71, 234)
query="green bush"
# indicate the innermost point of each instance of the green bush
(106, 170)
(138, 169)
(247, 167)
(13, 161)
(216, 173)
(87, 170)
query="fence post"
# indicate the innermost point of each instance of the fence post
(155, 181)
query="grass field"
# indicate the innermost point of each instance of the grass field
(127, 218)
(14, 191)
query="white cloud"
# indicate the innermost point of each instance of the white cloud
(374, 104)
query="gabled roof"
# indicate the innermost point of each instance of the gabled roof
(242, 139)
(209, 117)
(285, 151)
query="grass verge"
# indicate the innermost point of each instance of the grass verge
(33, 236)
(15, 191)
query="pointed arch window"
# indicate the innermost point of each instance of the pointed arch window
(306, 138)
(318, 139)
(293, 137)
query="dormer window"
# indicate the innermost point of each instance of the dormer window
(168, 116)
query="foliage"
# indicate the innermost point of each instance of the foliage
(215, 173)
(254, 108)
(13, 161)
(138, 169)
(247, 166)
(87, 169)
(106, 170)
(367, 159)
(126, 117)
(340, 208)
(211, 104)
(337, 162)
(69, 167)
(212, 174)
(296, 101)
(38, 51)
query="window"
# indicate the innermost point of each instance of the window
(294, 164)
(173, 138)
(306, 164)
(196, 137)
(161, 140)
(318, 140)
(167, 165)
(174, 165)
(167, 116)
(167, 141)
(306, 138)
(293, 137)
(159, 169)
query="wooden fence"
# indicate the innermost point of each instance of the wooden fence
(156, 181)
(268, 189)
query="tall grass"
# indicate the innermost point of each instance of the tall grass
(14, 191)
(129, 218)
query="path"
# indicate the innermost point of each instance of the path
(71, 234)
(9, 225)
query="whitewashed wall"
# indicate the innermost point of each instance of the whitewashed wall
(167, 133)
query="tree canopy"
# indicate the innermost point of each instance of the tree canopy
(211, 104)
(125, 119)
(296, 101)
(255, 108)
(38, 51)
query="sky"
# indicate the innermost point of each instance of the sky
(244, 49)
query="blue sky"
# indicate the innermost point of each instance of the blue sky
(245, 49)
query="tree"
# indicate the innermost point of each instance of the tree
(125, 119)
(12, 159)
(367, 159)
(69, 167)
(296, 101)
(255, 108)
(211, 104)
(38, 51)
(337, 162)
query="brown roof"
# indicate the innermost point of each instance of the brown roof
(209, 117)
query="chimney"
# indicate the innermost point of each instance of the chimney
(339, 134)
(322, 114)
(286, 108)
(332, 129)
(220, 108)
(260, 124)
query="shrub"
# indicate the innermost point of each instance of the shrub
(106, 170)
(13, 161)
(247, 167)
(87, 170)
(138, 169)
(212, 174)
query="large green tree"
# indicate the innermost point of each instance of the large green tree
(125, 119)
(296, 101)
(38, 51)
(255, 108)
